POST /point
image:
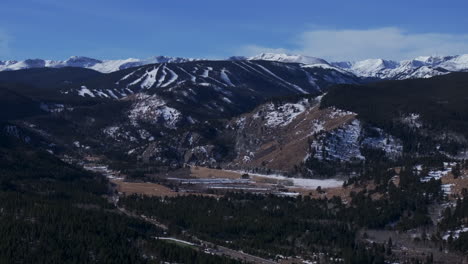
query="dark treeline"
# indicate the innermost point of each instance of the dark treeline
(52, 212)
(263, 225)
(268, 225)
(455, 218)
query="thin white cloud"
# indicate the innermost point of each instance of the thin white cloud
(390, 43)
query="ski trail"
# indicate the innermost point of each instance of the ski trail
(225, 77)
(174, 77)
(150, 79)
(163, 76)
(125, 77)
(101, 94)
(137, 80)
(112, 94)
(257, 71)
(242, 67)
(193, 78)
(281, 79)
(206, 72)
(312, 80)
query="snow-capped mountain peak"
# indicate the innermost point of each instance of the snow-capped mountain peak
(369, 67)
(419, 67)
(433, 60)
(456, 63)
(289, 58)
(81, 61)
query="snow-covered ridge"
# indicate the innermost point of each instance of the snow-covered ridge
(420, 67)
(105, 66)
(224, 78)
(289, 58)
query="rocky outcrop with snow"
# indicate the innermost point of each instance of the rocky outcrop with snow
(341, 144)
(153, 110)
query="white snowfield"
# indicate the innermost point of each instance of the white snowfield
(301, 182)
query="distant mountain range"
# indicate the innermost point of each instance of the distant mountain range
(420, 67)
(104, 66)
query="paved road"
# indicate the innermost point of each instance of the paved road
(201, 244)
(244, 256)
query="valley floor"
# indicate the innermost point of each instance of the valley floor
(197, 180)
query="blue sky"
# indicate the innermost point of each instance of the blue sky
(332, 29)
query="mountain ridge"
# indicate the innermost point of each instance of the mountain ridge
(104, 66)
(419, 67)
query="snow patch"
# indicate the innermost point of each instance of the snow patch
(85, 91)
(455, 233)
(412, 120)
(301, 182)
(284, 114)
(225, 77)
